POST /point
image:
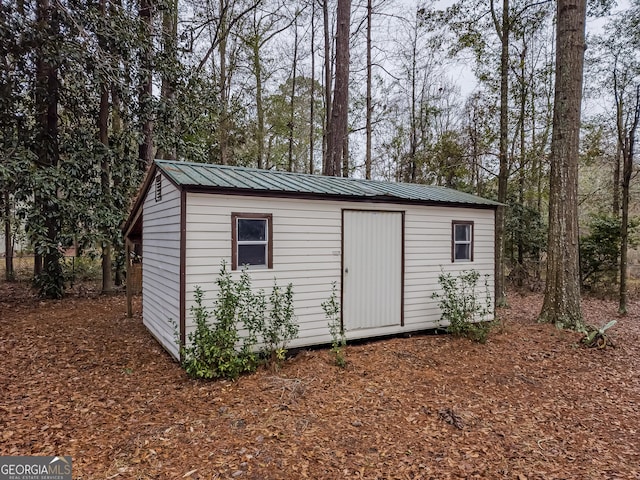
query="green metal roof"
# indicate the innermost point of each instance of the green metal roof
(205, 176)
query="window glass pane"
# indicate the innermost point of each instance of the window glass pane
(252, 230)
(462, 233)
(252, 255)
(463, 251)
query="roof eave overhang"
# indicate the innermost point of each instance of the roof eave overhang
(327, 196)
(136, 209)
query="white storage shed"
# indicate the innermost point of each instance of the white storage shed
(383, 243)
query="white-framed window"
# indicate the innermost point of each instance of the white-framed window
(461, 241)
(252, 242)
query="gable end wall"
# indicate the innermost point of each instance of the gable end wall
(161, 264)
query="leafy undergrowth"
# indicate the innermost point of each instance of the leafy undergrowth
(78, 378)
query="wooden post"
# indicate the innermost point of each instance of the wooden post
(129, 278)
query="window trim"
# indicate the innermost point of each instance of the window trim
(454, 243)
(234, 237)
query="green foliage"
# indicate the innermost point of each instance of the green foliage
(280, 327)
(58, 196)
(525, 240)
(463, 311)
(219, 348)
(600, 250)
(85, 268)
(211, 348)
(50, 281)
(525, 229)
(279, 126)
(331, 309)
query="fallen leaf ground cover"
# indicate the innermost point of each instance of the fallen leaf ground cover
(79, 378)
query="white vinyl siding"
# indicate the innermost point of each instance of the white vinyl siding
(428, 254)
(161, 264)
(307, 252)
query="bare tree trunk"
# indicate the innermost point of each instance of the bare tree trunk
(7, 185)
(615, 204)
(620, 147)
(367, 161)
(257, 70)
(523, 157)
(327, 87)
(292, 104)
(312, 93)
(536, 163)
(105, 183)
(37, 258)
(105, 164)
(345, 157)
(8, 237)
(145, 89)
(504, 31)
(628, 154)
(167, 89)
(409, 173)
(561, 304)
(340, 104)
(47, 98)
(223, 126)
(116, 127)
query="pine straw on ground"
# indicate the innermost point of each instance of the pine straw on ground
(79, 378)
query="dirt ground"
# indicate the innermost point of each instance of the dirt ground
(79, 378)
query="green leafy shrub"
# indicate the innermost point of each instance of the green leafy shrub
(526, 232)
(461, 308)
(219, 347)
(332, 311)
(82, 269)
(50, 281)
(211, 350)
(600, 250)
(280, 326)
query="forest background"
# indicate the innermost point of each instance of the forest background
(92, 91)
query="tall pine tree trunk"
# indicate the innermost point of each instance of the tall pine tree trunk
(561, 304)
(292, 100)
(615, 201)
(105, 163)
(340, 104)
(504, 31)
(257, 71)
(627, 169)
(312, 93)
(168, 87)
(50, 280)
(327, 87)
(367, 161)
(8, 238)
(523, 157)
(223, 124)
(145, 87)
(409, 171)
(116, 128)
